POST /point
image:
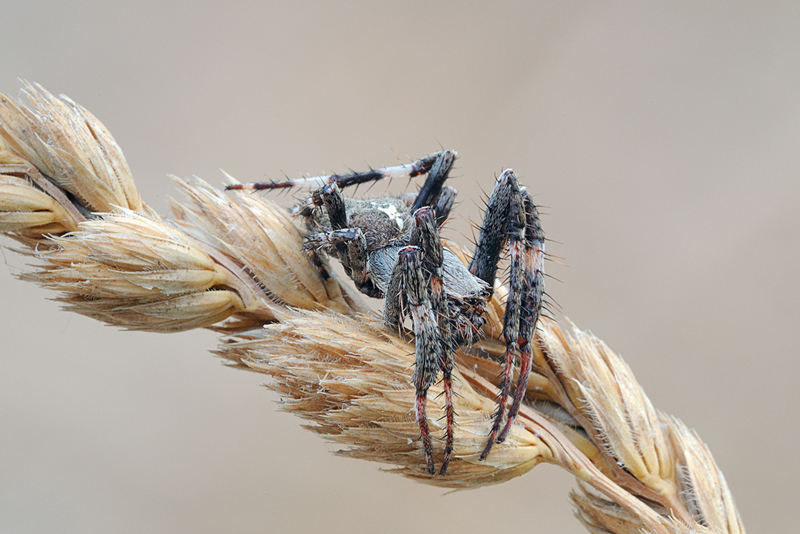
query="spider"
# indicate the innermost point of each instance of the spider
(391, 249)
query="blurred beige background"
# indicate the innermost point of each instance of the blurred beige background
(664, 141)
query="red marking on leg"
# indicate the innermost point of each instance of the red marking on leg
(419, 408)
(508, 375)
(526, 361)
(449, 411)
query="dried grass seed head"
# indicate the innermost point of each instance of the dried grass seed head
(69, 145)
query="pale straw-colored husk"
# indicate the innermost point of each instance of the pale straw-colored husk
(235, 263)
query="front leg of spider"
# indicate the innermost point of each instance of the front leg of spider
(353, 254)
(408, 294)
(512, 220)
(349, 244)
(426, 237)
(409, 170)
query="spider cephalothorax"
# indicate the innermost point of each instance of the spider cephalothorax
(391, 249)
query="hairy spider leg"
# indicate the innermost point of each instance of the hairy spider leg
(349, 244)
(409, 170)
(511, 319)
(444, 205)
(426, 236)
(330, 199)
(531, 304)
(434, 193)
(355, 250)
(432, 188)
(333, 202)
(408, 294)
(307, 212)
(511, 220)
(493, 231)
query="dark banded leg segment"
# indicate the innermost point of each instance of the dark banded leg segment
(407, 171)
(533, 262)
(511, 220)
(444, 204)
(516, 233)
(415, 301)
(351, 249)
(432, 188)
(426, 237)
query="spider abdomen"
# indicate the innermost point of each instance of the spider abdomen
(458, 282)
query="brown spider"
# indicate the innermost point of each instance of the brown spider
(391, 249)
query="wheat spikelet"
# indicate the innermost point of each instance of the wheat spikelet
(139, 273)
(236, 263)
(67, 143)
(704, 488)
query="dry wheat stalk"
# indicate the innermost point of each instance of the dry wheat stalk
(237, 263)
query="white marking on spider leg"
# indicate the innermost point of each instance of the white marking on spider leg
(310, 181)
(399, 171)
